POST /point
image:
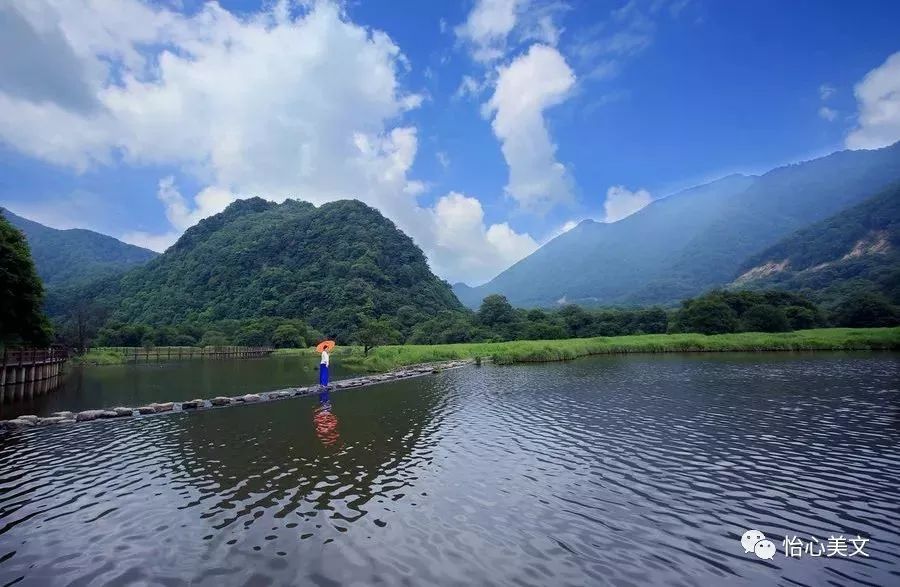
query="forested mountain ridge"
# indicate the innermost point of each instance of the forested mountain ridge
(596, 263)
(76, 256)
(858, 248)
(334, 267)
(686, 243)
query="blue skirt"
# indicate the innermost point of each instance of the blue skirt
(323, 374)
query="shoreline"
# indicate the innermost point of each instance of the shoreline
(389, 357)
(386, 358)
(121, 412)
(391, 363)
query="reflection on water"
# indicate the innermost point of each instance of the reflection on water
(325, 421)
(625, 470)
(89, 387)
(26, 393)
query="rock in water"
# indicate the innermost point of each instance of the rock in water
(88, 415)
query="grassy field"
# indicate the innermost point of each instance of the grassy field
(527, 351)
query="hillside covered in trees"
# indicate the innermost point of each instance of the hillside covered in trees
(852, 253)
(22, 320)
(236, 274)
(76, 256)
(692, 241)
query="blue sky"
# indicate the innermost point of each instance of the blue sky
(481, 128)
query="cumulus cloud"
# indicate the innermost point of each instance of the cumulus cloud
(487, 27)
(826, 91)
(472, 249)
(525, 88)
(878, 99)
(181, 213)
(293, 101)
(622, 202)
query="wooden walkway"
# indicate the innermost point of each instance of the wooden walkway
(25, 371)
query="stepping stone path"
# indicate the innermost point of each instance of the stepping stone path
(67, 417)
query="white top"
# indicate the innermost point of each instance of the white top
(325, 358)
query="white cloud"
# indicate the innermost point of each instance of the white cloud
(561, 229)
(153, 241)
(267, 104)
(443, 159)
(622, 202)
(470, 87)
(826, 113)
(470, 250)
(601, 50)
(878, 98)
(826, 91)
(487, 27)
(525, 88)
(569, 226)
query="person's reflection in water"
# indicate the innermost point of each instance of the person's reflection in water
(325, 421)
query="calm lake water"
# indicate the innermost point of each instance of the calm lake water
(89, 387)
(628, 470)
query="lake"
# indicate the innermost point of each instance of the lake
(618, 470)
(135, 384)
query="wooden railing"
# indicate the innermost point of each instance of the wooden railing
(21, 366)
(159, 354)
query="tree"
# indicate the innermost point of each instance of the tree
(213, 338)
(577, 320)
(495, 310)
(800, 318)
(376, 332)
(865, 309)
(765, 318)
(287, 336)
(185, 340)
(22, 320)
(251, 336)
(707, 316)
(165, 336)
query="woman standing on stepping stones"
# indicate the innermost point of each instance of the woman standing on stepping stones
(324, 347)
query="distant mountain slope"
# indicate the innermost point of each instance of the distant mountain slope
(330, 266)
(855, 248)
(598, 263)
(684, 244)
(70, 257)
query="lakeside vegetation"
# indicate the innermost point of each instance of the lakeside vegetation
(388, 357)
(718, 312)
(532, 351)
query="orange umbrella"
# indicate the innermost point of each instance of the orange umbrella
(325, 345)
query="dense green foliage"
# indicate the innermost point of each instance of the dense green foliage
(719, 311)
(241, 275)
(723, 311)
(695, 240)
(72, 257)
(851, 256)
(22, 320)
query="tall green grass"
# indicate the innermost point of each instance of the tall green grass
(386, 358)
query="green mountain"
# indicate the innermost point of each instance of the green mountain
(70, 257)
(335, 266)
(687, 243)
(858, 248)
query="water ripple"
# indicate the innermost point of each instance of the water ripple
(610, 471)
